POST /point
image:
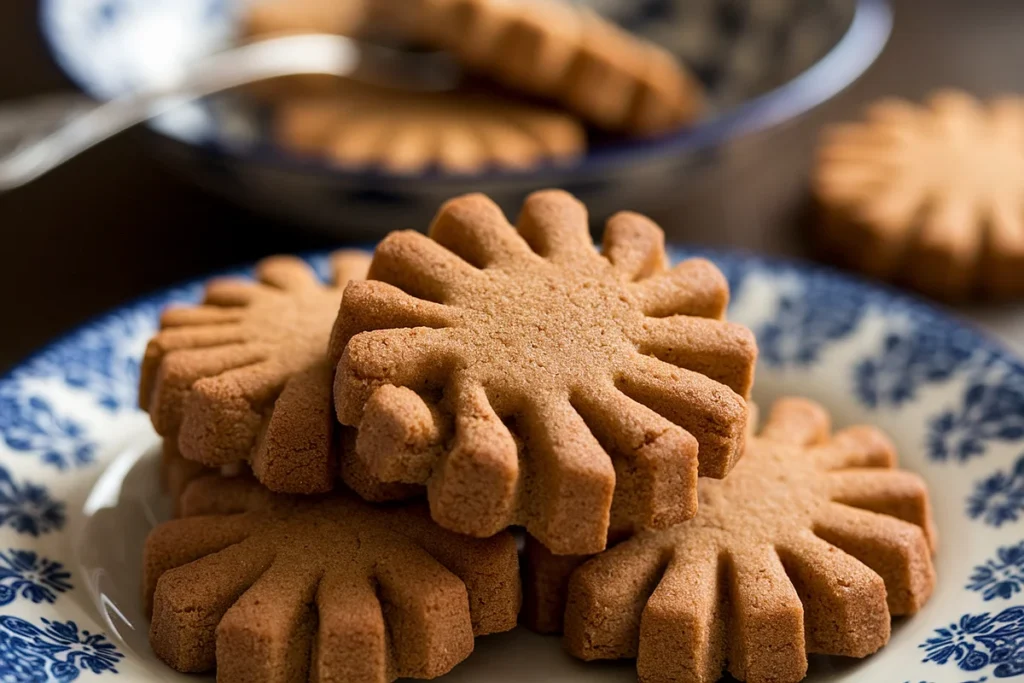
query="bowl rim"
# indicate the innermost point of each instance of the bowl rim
(857, 49)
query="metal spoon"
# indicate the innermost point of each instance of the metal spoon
(39, 134)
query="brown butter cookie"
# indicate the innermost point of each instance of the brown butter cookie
(359, 126)
(243, 377)
(525, 378)
(265, 587)
(928, 196)
(570, 55)
(808, 546)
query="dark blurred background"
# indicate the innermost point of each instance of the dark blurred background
(113, 224)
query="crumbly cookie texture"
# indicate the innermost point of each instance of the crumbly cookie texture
(928, 195)
(808, 546)
(459, 132)
(265, 587)
(244, 376)
(565, 53)
(527, 379)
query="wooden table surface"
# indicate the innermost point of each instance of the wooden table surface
(113, 224)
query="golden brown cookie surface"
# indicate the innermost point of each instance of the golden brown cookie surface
(928, 195)
(359, 126)
(808, 546)
(526, 378)
(612, 79)
(275, 588)
(243, 377)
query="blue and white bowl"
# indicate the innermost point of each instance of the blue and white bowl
(765, 62)
(78, 483)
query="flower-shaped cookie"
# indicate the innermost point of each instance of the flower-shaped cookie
(808, 546)
(929, 196)
(267, 587)
(524, 377)
(244, 376)
(409, 132)
(565, 53)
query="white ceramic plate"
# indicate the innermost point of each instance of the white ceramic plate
(78, 484)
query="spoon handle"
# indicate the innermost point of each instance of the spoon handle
(38, 135)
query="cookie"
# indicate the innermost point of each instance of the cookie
(545, 576)
(176, 471)
(526, 378)
(567, 54)
(243, 378)
(360, 126)
(927, 195)
(266, 587)
(808, 546)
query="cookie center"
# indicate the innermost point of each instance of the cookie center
(543, 328)
(773, 487)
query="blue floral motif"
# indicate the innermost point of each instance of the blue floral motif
(992, 410)
(102, 358)
(35, 578)
(824, 310)
(98, 361)
(1001, 576)
(27, 508)
(981, 640)
(928, 352)
(735, 272)
(30, 424)
(55, 651)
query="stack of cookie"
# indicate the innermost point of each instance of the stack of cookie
(537, 72)
(511, 377)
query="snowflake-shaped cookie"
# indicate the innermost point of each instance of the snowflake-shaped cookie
(244, 376)
(270, 587)
(409, 132)
(929, 195)
(808, 546)
(524, 377)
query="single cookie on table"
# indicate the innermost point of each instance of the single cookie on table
(928, 195)
(563, 52)
(527, 379)
(243, 378)
(266, 587)
(810, 545)
(463, 131)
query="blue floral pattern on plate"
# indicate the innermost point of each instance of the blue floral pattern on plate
(27, 508)
(924, 354)
(30, 424)
(1001, 576)
(999, 498)
(991, 410)
(978, 641)
(54, 651)
(35, 578)
(821, 312)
